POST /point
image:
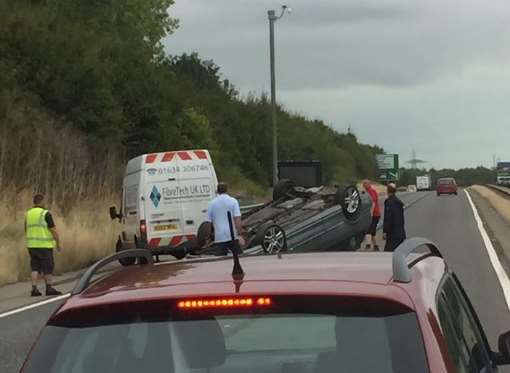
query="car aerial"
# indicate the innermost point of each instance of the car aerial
(338, 312)
(446, 185)
(305, 219)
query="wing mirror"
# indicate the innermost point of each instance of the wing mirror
(113, 213)
(503, 356)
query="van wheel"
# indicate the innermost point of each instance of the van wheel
(282, 189)
(350, 199)
(204, 233)
(124, 261)
(271, 237)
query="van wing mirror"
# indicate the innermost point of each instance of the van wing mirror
(503, 356)
(113, 213)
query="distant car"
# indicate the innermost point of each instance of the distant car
(446, 185)
(338, 312)
(402, 189)
(412, 188)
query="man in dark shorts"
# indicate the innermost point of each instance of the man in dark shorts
(393, 227)
(375, 212)
(42, 239)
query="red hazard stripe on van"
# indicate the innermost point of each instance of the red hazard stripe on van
(150, 158)
(174, 241)
(154, 242)
(185, 156)
(168, 157)
(200, 154)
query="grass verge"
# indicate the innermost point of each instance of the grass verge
(498, 202)
(86, 231)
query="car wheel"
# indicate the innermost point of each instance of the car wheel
(349, 198)
(351, 244)
(354, 243)
(204, 233)
(124, 261)
(282, 189)
(272, 238)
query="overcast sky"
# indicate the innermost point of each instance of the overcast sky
(428, 75)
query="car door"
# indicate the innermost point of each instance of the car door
(463, 333)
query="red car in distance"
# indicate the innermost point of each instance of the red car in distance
(336, 312)
(446, 185)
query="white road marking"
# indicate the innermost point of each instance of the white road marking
(34, 305)
(493, 256)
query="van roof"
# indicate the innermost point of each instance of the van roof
(137, 164)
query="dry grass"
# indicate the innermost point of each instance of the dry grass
(501, 204)
(86, 231)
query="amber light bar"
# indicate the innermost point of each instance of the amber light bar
(223, 303)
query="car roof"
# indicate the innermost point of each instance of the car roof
(354, 273)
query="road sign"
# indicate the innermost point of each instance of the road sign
(388, 167)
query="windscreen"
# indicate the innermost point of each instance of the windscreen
(445, 181)
(237, 342)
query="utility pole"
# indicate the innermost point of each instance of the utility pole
(272, 19)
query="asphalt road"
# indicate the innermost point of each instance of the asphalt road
(446, 220)
(17, 333)
(449, 222)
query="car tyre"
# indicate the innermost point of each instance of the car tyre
(282, 189)
(349, 198)
(354, 243)
(204, 233)
(351, 244)
(271, 237)
(124, 261)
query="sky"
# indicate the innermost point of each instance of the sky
(430, 76)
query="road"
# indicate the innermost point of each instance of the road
(449, 222)
(446, 220)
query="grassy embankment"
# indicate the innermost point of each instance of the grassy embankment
(86, 231)
(87, 234)
(498, 202)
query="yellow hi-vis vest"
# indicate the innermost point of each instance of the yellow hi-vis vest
(38, 233)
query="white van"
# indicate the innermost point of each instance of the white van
(164, 200)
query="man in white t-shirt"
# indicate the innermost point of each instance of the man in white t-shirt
(217, 214)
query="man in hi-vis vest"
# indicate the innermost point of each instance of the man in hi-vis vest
(42, 239)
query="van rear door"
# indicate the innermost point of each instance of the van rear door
(198, 185)
(163, 212)
(179, 186)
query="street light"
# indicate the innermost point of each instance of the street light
(272, 19)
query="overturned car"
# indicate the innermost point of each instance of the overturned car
(304, 220)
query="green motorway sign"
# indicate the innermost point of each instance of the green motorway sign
(388, 168)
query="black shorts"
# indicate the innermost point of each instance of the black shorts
(373, 225)
(41, 260)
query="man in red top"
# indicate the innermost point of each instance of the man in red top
(376, 216)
